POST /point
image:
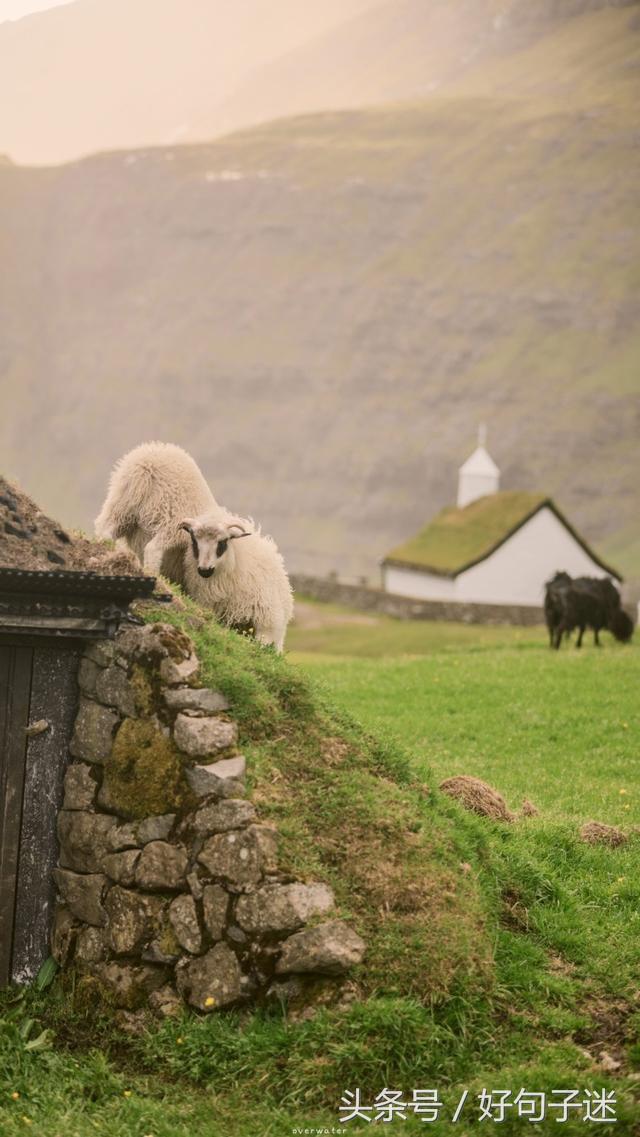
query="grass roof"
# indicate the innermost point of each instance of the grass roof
(458, 538)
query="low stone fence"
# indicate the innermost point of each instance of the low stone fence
(168, 882)
(404, 608)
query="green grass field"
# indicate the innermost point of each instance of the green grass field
(501, 956)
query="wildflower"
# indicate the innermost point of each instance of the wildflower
(179, 1041)
(621, 879)
(15, 1095)
(126, 1093)
(27, 1120)
(622, 792)
(626, 807)
(209, 1001)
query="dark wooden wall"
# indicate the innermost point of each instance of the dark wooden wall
(37, 683)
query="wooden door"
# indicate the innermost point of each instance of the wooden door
(37, 685)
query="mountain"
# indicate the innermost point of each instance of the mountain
(399, 50)
(321, 310)
(110, 74)
(105, 74)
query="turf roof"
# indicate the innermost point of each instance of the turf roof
(459, 538)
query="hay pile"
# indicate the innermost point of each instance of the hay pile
(30, 540)
(478, 797)
(596, 833)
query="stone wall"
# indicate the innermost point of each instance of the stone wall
(169, 890)
(404, 608)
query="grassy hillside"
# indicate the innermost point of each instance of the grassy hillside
(323, 309)
(486, 966)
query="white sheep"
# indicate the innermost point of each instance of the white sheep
(160, 506)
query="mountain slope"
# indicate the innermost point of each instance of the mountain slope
(107, 74)
(401, 49)
(322, 310)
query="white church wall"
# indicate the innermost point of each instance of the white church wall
(517, 571)
(418, 585)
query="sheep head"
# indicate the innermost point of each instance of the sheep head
(210, 541)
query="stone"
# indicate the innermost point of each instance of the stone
(121, 867)
(183, 918)
(165, 1003)
(228, 769)
(219, 779)
(173, 673)
(236, 935)
(195, 885)
(91, 945)
(80, 787)
(201, 737)
(101, 652)
(242, 856)
(279, 908)
(326, 949)
(63, 934)
(113, 688)
(162, 866)
(155, 828)
(83, 894)
(199, 700)
(210, 981)
(134, 919)
(154, 642)
(165, 948)
(88, 672)
(219, 817)
(84, 839)
(93, 732)
(123, 837)
(129, 985)
(215, 904)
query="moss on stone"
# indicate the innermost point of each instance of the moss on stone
(143, 690)
(177, 643)
(144, 774)
(168, 941)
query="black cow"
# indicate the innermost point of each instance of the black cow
(586, 602)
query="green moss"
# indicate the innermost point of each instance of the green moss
(144, 774)
(143, 692)
(168, 941)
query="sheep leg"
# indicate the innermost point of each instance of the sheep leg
(153, 554)
(596, 637)
(580, 635)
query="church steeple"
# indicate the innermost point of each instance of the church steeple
(479, 475)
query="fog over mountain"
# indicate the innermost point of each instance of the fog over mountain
(104, 74)
(108, 74)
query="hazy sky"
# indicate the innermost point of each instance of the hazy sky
(13, 9)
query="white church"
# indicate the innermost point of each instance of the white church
(492, 547)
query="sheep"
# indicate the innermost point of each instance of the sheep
(160, 506)
(584, 602)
